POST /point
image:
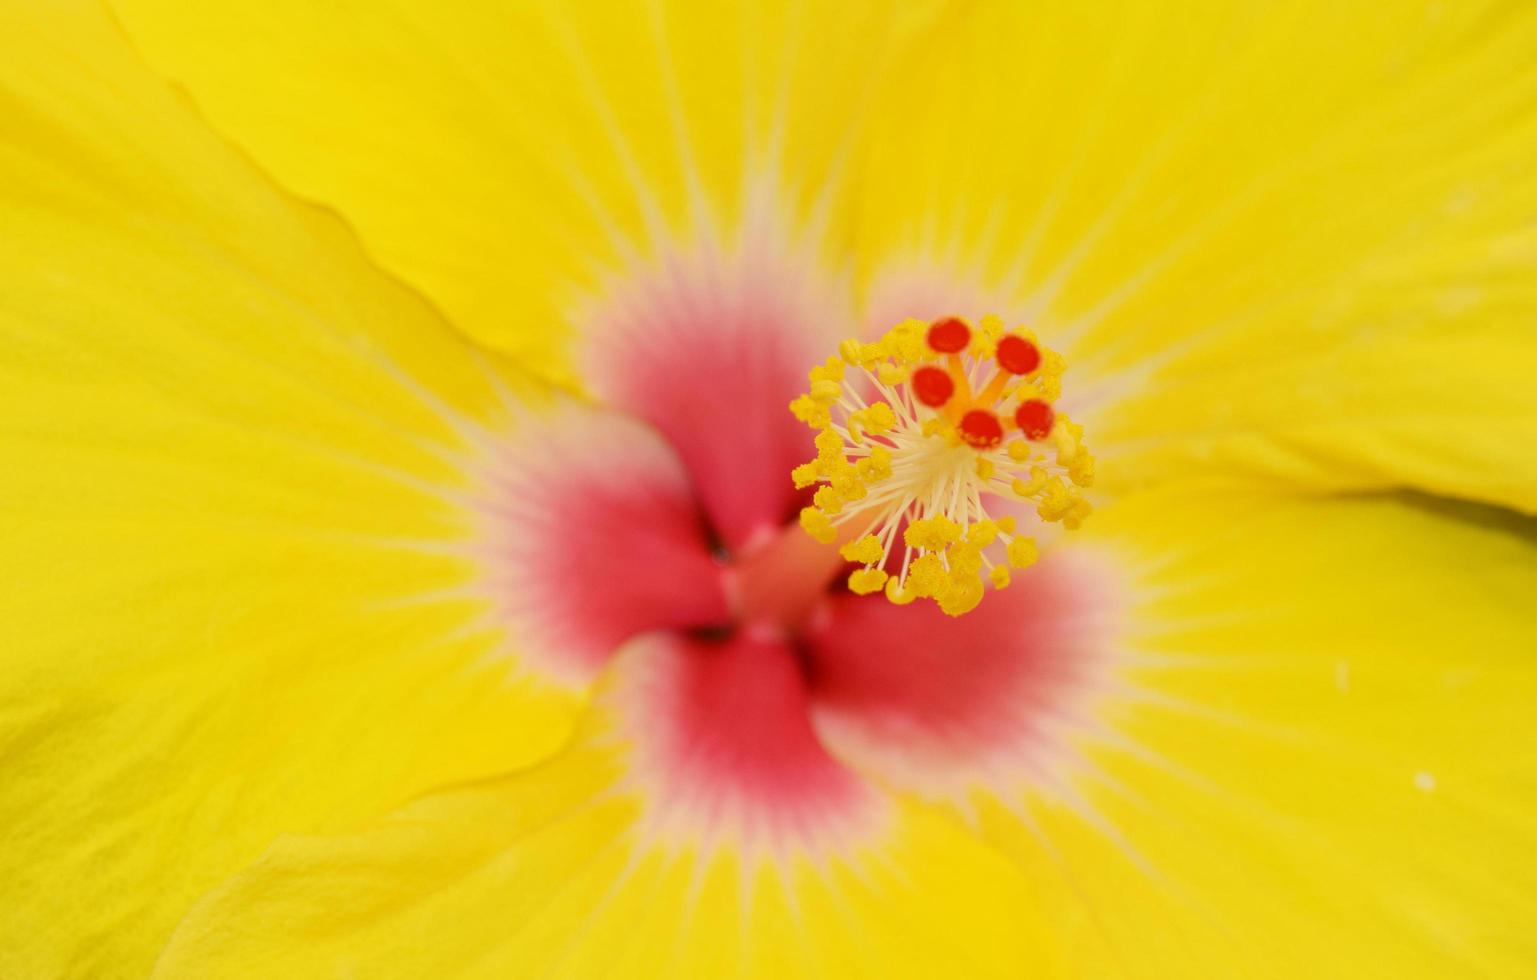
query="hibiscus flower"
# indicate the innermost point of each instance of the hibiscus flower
(407, 567)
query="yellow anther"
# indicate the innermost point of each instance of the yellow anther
(832, 371)
(961, 597)
(849, 351)
(1056, 499)
(841, 477)
(817, 525)
(872, 420)
(1063, 438)
(985, 468)
(1019, 450)
(826, 392)
(863, 581)
(829, 446)
(879, 418)
(904, 343)
(876, 466)
(1037, 480)
(999, 576)
(804, 475)
(1075, 515)
(829, 500)
(866, 551)
(927, 577)
(935, 426)
(898, 596)
(990, 330)
(856, 427)
(932, 533)
(1081, 469)
(1022, 553)
(1006, 523)
(844, 477)
(890, 374)
(1068, 437)
(1049, 380)
(965, 561)
(850, 488)
(982, 533)
(810, 412)
(835, 469)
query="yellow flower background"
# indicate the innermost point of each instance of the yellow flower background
(277, 280)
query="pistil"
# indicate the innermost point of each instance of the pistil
(918, 434)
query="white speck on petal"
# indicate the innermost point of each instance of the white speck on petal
(1424, 782)
(1342, 676)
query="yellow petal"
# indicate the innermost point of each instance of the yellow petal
(1262, 246)
(556, 872)
(1450, 410)
(499, 155)
(1310, 759)
(1310, 765)
(232, 460)
(1264, 250)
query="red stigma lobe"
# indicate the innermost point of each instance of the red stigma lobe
(949, 336)
(981, 428)
(1017, 355)
(1035, 419)
(932, 386)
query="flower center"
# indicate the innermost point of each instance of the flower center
(917, 434)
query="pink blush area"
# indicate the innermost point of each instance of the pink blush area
(710, 348)
(725, 749)
(591, 536)
(940, 705)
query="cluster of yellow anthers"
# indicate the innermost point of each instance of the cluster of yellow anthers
(919, 429)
